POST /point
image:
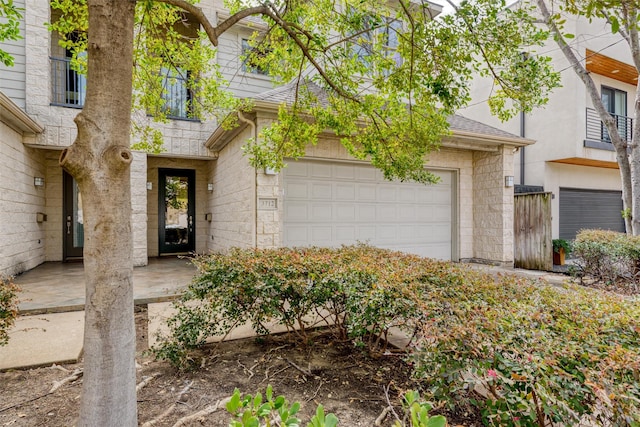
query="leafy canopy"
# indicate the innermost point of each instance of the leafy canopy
(384, 77)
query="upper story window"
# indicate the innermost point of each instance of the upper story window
(378, 35)
(68, 84)
(251, 56)
(177, 95)
(615, 102)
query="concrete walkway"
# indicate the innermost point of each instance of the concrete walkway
(56, 336)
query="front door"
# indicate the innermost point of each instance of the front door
(176, 219)
(73, 223)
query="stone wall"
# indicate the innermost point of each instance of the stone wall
(493, 207)
(139, 208)
(22, 245)
(232, 202)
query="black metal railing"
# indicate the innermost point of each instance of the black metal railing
(596, 130)
(177, 96)
(68, 87)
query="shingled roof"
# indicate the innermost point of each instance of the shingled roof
(287, 94)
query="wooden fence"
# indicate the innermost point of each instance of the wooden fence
(532, 231)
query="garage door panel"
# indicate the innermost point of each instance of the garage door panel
(407, 212)
(366, 212)
(364, 173)
(321, 190)
(347, 203)
(321, 235)
(387, 232)
(297, 169)
(345, 234)
(297, 235)
(386, 212)
(344, 171)
(366, 233)
(345, 212)
(295, 211)
(366, 192)
(406, 194)
(386, 193)
(321, 212)
(346, 192)
(320, 170)
(297, 190)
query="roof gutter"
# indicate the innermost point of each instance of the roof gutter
(456, 139)
(16, 118)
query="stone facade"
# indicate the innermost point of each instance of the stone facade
(23, 237)
(232, 202)
(493, 206)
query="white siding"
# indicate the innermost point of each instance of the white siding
(12, 79)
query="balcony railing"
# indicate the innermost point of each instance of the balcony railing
(597, 133)
(68, 87)
(177, 96)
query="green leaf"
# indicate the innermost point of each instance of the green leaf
(331, 421)
(264, 410)
(437, 421)
(234, 403)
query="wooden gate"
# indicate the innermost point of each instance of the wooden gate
(532, 231)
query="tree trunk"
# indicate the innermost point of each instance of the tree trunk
(99, 160)
(629, 168)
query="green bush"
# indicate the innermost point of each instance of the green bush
(346, 288)
(8, 307)
(608, 256)
(253, 411)
(524, 353)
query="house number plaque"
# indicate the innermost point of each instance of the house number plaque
(267, 204)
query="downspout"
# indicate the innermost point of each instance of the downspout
(522, 134)
(254, 135)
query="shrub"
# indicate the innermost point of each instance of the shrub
(608, 256)
(345, 288)
(8, 307)
(523, 353)
(250, 411)
(528, 354)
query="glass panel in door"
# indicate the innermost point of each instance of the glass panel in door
(73, 222)
(176, 210)
(615, 102)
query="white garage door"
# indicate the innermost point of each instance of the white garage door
(330, 204)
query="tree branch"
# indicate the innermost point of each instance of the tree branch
(197, 13)
(606, 118)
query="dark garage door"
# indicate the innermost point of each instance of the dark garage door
(589, 209)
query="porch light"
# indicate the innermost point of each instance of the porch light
(149, 185)
(210, 187)
(508, 181)
(269, 171)
(38, 181)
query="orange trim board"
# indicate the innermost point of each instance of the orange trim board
(612, 68)
(587, 162)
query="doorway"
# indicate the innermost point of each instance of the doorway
(73, 222)
(176, 210)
